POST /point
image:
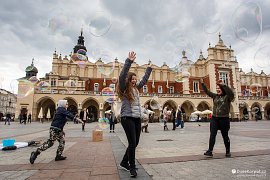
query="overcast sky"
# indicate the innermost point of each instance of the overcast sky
(155, 29)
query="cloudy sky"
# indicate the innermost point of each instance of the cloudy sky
(156, 29)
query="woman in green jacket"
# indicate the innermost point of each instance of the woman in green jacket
(220, 119)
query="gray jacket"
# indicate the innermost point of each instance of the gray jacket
(131, 109)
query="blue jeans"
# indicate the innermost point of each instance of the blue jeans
(179, 122)
(132, 127)
(7, 119)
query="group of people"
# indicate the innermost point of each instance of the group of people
(23, 117)
(131, 114)
(175, 116)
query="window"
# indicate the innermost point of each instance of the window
(171, 89)
(96, 87)
(53, 82)
(159, 89)
(224, 76)
(145, 89)
(196, 87)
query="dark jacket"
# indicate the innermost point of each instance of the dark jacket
(173, 115)
(221, 102)
(179, 115)
(111, 118)
(131, 109)
(82, 114)
(59, 119)
(8, 116)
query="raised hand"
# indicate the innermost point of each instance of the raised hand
(132, 56)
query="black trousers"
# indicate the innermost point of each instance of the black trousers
(173, 122)
(222, 124)
(83, 125)
(132, 127)
(112, 126)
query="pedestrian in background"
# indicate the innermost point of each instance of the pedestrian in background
(8, 118)
(112, 120)
(173, 116)
(84, 116)
(24, 118)
(29, 118)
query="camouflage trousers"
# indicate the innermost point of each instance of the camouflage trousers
(55, 134)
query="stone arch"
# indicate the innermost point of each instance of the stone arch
(267, 111)
(170, 104)
(92, 105)
(257, 104)
(187, 108)
(44, 98)
(256, 113)
(46, 103)
(243, 110)
(88, 99)
(72, 105)
(157, 114)
(72, 99)
(203, 105)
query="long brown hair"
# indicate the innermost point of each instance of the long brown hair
(128, 92)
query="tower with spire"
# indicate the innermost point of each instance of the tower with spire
(80, 44)
(31, 70)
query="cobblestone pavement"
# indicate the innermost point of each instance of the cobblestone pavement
(179, 154)
(160, 155)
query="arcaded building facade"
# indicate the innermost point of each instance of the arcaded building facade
(81, 83)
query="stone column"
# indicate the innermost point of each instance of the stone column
(262, 113)
(249, 115)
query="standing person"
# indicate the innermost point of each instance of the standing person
(84, 116)
(21, 118)
(56, 132)
(166, 116)
(29, 118)
(8, 117)
(25, 118)
(179, 118)
(173, 116)
(146, 116)
(112, 121)
(128, 92)
(220, 118)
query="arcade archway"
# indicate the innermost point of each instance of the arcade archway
(267, 111)
(187, 108)
(243, 110)
(47, 104)
(92, 106)
(72, 105)
(256, 113)
(203, 106)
